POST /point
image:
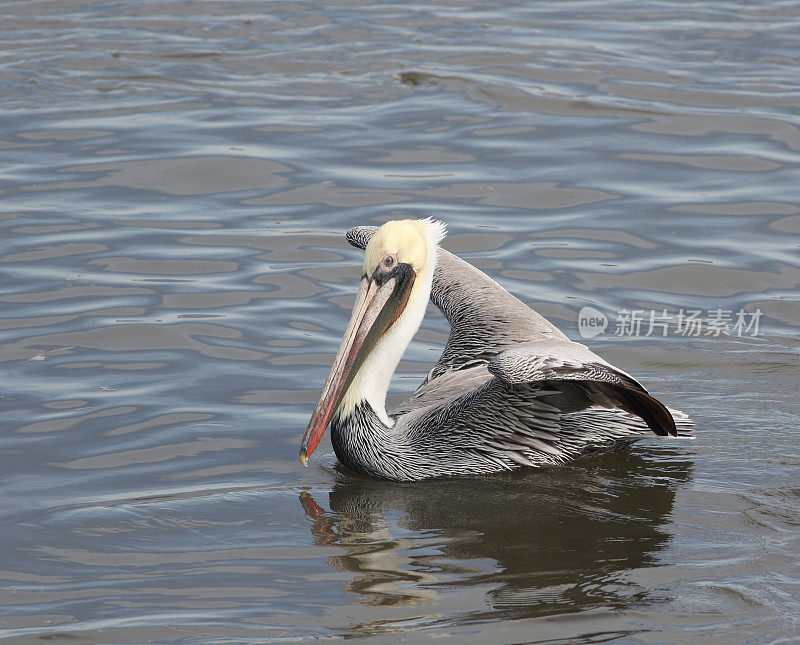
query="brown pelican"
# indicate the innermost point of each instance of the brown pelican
(509, 389)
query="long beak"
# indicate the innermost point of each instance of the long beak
(380, 301)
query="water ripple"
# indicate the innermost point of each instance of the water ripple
(176, 180)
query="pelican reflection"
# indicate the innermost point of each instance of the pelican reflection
(542, 542)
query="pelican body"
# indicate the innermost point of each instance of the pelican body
(509, 390)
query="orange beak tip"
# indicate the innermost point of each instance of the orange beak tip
(303, 457)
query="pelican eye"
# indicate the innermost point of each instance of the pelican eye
(388, 261)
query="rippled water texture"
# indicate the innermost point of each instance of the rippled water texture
(176, 181)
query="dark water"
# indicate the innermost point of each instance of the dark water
(176, 180)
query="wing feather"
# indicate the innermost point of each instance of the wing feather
(590, 379)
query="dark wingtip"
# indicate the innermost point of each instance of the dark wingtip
(654, 413)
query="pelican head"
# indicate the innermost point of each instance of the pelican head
(399, 262)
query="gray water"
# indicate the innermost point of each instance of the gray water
(177, 178)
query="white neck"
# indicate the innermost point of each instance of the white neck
(371, 383)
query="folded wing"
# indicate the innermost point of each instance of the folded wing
(532, 408)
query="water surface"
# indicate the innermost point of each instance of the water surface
(176, 181)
